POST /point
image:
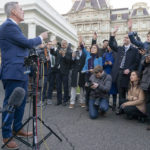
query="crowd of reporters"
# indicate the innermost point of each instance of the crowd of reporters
(99, 73)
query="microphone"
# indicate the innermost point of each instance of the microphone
(14, 101)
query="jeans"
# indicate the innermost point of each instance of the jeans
(94, 110)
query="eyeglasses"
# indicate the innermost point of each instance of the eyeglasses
(96, 72)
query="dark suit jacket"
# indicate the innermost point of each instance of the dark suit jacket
(14, 47)
(77, 66)
(62, 63)
(131, 62)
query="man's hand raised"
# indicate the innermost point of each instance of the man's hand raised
(115, 31)
(44, 35)
(130, 25)
(95, 36)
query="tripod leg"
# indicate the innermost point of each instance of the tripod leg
(35, 143)
(16, 133)
(50, 129)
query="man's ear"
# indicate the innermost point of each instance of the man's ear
(13, 12)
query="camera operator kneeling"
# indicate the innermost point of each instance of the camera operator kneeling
(100, 84)
(135, 105)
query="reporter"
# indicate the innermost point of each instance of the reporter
(127, 60)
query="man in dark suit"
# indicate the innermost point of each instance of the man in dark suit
(63, 57)
(127, 59)
(14, 47)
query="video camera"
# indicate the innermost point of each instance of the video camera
(33, 57)
(89, 84)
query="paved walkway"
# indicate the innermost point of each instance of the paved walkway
(81, 133)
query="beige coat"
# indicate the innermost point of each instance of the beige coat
(136, 98)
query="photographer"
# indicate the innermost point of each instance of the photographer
(63, 59)
(100, 84)
(78, 61)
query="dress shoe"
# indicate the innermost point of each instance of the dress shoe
(83, 105)
(58, 103)
(64, 103)
(23, 133)
(11, 145)
(102, 113)
(119, 111)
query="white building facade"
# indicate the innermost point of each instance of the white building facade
(40, 17)
(89, 16)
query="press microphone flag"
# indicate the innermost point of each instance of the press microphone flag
(14, 101)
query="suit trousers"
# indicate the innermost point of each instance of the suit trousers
(16, 117)
(122, 89)
(54, 76)
(64, 83)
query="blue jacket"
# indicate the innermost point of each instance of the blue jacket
(14, 47)
(139, 44)
(108, 56)
(97, 61)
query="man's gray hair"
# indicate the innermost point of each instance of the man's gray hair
(9, 7)
(64, 41)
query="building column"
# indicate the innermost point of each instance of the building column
(31, 30)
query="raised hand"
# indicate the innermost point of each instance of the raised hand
(73, 54)
(130, 25)
(44, 35)
(80, 39)
(95, 36)
(115, 31)
(54, 43)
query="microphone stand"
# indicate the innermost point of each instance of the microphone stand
(35, 145)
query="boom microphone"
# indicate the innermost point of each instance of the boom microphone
(15, 100)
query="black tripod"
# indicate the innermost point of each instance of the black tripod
(35, 143)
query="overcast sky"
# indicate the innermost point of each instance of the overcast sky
(63, 6)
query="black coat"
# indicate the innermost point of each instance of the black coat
(77, 65)
(145, 81)
(131, 62)
(62, 63)
(101, 51)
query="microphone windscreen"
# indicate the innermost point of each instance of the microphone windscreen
(17, 96)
